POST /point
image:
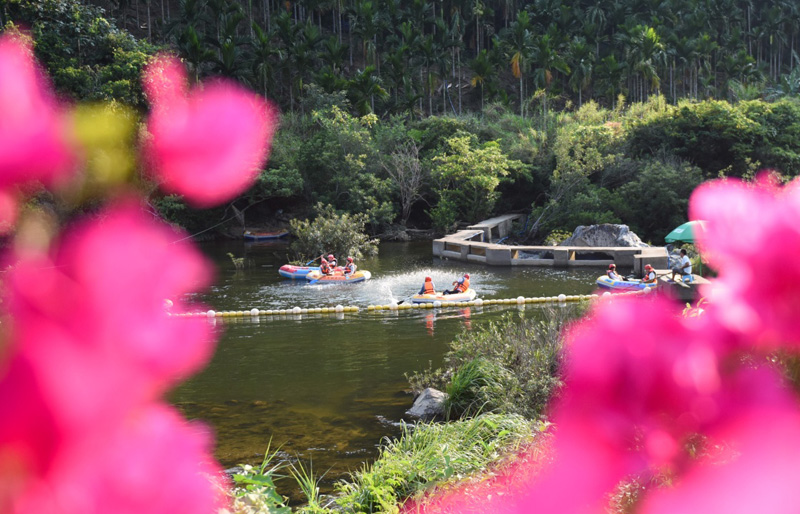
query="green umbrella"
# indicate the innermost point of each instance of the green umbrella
(686, 233)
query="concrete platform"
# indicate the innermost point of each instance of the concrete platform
(680, 290)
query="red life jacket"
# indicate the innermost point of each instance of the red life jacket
(324, 268)
(428, 287)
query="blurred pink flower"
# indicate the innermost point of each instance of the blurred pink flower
(99, 299)
(755, 293)
(209, 143)
(153, 462)
(761, 477)
(8, 211)
(90, 342)
(32, 141)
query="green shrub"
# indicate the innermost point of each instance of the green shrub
(509, 366)
(330, 232)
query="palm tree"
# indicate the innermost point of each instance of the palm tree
(547, 60)
(482, 70)
(518, 43)
(581, 59)
(363, 88)
(262, 56)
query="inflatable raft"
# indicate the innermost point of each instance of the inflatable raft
(606, 282)
(466, 296)
(296, 272)
(315, 277)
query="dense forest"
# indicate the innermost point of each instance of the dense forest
(426, 113)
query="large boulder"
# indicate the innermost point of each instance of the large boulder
(606, 234)
(428, 405)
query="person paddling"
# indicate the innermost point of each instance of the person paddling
(324, 267)
(427, 287)
(332, 261)
(649, 275)
(350, 267)
(460, 285)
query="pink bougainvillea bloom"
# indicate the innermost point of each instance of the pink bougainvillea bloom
(90, 318)
(32, 141)
(630, 400)
(90, 353)
(207, 144)
(760, 477)
(753, 231)
(154, 462)
(8, 211)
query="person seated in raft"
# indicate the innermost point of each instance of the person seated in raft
(612, 272)
(350, 267)
(331, 261)
(427, 287)
(684, 268)
(324, 267)
(649, 275)
(460, 285)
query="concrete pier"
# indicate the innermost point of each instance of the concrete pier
(477, 243)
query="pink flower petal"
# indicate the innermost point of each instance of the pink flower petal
(154, 463)
(91, 319)
(32, 142)
(753, 230)
(210, 145)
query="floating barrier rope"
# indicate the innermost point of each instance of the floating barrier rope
(339, 309)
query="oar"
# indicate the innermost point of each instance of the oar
(309, 263)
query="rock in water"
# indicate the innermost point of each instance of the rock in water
(428, 405)
(606, 234)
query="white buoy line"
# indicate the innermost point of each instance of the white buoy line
(394, 306)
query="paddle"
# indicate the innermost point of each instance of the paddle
(309, 263)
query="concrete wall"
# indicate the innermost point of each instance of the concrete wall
(475, 245)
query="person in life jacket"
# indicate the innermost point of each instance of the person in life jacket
(324, 267)
(612, 272)
(331, 261)
(460, 285)
(350, 267)
(427, 287)
(649, 274)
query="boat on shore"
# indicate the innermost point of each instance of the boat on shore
(606, 282)
(466, 296)
(264, 236)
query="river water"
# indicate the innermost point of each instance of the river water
(326, 389)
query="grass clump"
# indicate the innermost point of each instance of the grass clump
(510, 366)
(429, 454)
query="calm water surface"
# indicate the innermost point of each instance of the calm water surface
(327, 388)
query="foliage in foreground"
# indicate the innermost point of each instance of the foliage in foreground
(430, 454)
(510, 366)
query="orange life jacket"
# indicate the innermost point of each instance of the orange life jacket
(350, 268)
(462, 286)
(324, 268)
(427, 287)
